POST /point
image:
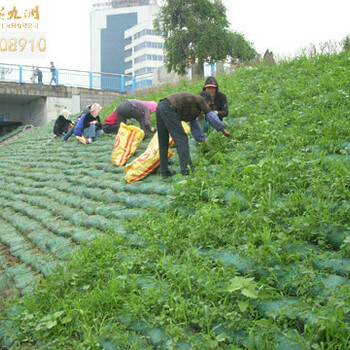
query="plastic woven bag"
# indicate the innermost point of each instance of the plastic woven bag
(146, 163)
(128, 139)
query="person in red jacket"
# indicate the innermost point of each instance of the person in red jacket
(111, 125)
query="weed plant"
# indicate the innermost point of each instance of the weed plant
(247, 229)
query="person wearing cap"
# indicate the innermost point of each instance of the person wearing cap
(62, 123)
(92, 128)
(75, 127)
(139, 110)
(111, 125)
(219, 104)
(171, 111)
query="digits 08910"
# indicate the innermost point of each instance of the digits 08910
(14, 44)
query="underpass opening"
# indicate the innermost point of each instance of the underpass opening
(8, 127)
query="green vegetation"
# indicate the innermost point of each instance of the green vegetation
(252, 250)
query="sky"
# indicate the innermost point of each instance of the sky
(282, 26)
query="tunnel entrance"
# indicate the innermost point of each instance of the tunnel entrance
(7, 127)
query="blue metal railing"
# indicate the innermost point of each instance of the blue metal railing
(83, 79)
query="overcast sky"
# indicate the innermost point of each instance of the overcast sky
(282, 26)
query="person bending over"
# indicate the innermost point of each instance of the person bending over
(139, 110)
(171, 111)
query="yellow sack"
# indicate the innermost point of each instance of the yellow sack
(187, 129)
(128, 139)
(146, 163)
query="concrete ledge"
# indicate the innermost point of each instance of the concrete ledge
(38, 103)
(33, 89)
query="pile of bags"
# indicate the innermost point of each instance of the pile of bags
(128, 140)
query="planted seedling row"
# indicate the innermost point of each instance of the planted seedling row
(35, 208)
(20, 247)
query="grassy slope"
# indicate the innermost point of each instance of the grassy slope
(257, 254)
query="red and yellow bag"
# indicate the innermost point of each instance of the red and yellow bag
(128, 139)
(146, 163)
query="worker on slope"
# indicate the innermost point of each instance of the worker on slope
(171, 111)
(219, 104)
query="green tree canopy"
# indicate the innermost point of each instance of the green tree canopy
(196, 30)
(240, 48)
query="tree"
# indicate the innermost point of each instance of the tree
(346, 43)
(241, 49)
(193, 31)
(268, 58)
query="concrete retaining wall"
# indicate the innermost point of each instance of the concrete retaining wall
(55, 105)
(35, 112)
(38, 104)
(103, 97)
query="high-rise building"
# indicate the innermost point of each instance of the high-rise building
(123, 40)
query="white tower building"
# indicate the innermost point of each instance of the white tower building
(123, 40)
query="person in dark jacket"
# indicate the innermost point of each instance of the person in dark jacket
(171, 111)
(38, 73)
(92, 128)
(62, 123)
(219, 104)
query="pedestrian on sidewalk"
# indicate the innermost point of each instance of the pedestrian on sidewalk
(53, 73)
(39, 74)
